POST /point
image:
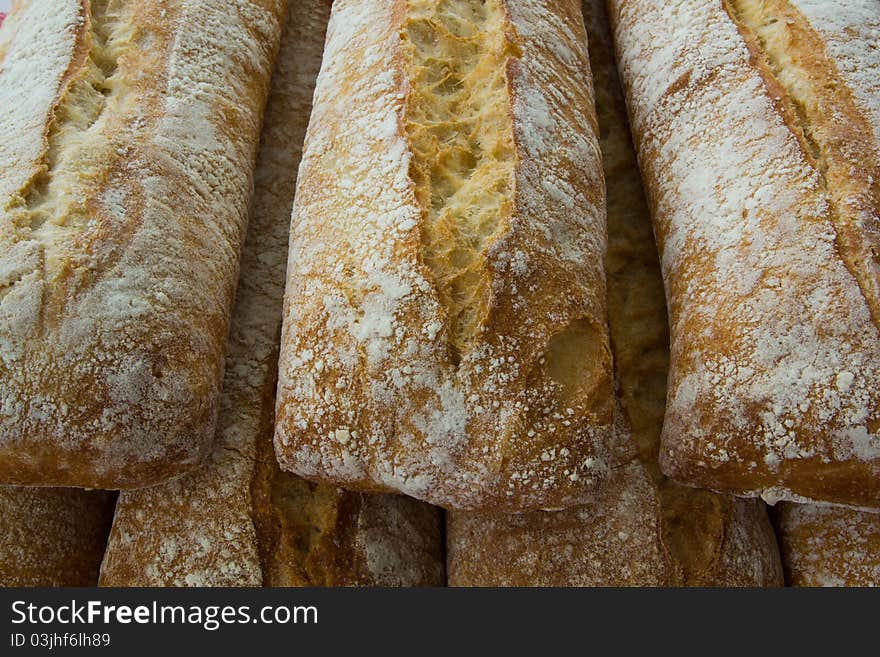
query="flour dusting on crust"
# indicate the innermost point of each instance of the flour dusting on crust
(776, 360)
(127, 164)
(369, 395)
(823, 546)
(238, 521)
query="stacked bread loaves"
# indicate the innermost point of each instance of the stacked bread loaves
(641, 529)
(440, 216)
(757, 129)
(239, 520)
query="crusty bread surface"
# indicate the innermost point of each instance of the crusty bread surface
(757, 126)
(827, 546)
(640, 529)
(615, 540)
(52, 536)
(445, 326)
(126, 144)
(239, 520)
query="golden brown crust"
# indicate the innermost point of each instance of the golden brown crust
(826, 546)
(389, 381)
(325, 536)
(615, 540)
(714, 540)
(126, 156)
(52, 536)
(628, 536)
(766, 231)
(718, 540)
(671, 535)
(239, 521)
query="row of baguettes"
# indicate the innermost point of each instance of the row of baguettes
(239, 520)
(444, 330)
(640, 529)
(633, 533)
(445, 327)
(757, 124)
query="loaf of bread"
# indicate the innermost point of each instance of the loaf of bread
(615, 540)
(757, 124)
(240, 521)
(826, 546)
(127, 141)
(52, 536)
(444, 329)
(624, 537)
(641, 529)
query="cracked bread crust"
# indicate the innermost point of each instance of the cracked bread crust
(127, 154)
(475, 376)
(768, 246)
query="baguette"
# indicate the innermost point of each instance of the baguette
(126, 144)
(641, 529)
(240, 521)
(826, 546)
(444, 324)
(757, 125)
(52, 536)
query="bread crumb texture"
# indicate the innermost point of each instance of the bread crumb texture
(756, 124)
(462, 139)
(445, 331)
(126, 146)
(639, 528)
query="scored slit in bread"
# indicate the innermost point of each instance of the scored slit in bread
(73, 147)
(126, 145)
(757, 130)
(445, 332)
(640, 528)
(462, 138)
(826, 117)
(463, 167)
